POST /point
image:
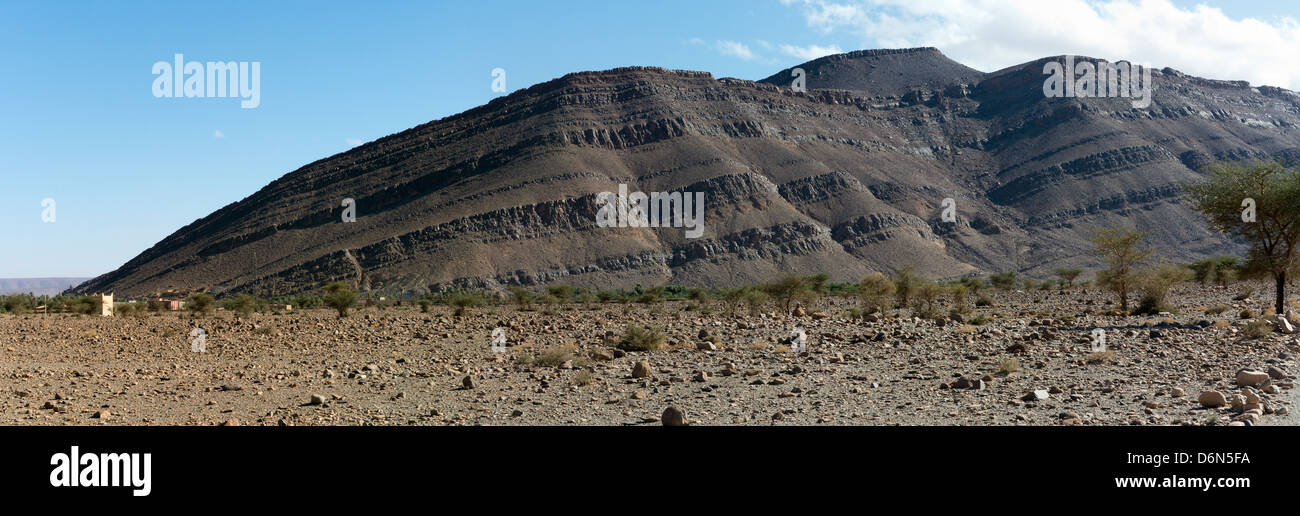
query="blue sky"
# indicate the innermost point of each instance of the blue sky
(80, 124)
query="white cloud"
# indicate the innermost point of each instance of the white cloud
(353, 142)
(992, 34)
(810, 52)
(216, 133)
(733, 48)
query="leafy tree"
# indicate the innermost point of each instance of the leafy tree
(341, 297)
(1122, 249)
(1068, 276)
(1273, 231)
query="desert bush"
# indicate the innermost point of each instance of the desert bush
(463, 301)
(1217, 309)
(1003, 281)
(243, 304)
(198, 303)
(1244, 294)
(1008, 365)
(125, 309)
(732, 297)
(1154, 285)
(875, 291)
(699, 295)
(958, 293)
(522, 298)
(562, 293)
(582, 378)
(1257, 328)
(553, 357)
(755, 299)
(639, 338)
(340, 297)
(973, 284)
(926, 294)
(904, 286)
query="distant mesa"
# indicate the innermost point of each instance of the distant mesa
(37, 286)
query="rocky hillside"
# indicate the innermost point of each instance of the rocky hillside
(846, 178)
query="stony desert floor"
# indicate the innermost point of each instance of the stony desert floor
(398, 366)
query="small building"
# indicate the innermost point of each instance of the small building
(106, 305)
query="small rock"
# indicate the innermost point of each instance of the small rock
(317, 399)
(1037, 395)
(641, 369)
(468, 382)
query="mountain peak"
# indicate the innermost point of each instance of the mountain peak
(881, 72)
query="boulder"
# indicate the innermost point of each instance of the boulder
(1249, 378)
(673, 416)
(1212, 399)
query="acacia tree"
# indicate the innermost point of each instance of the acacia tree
(341, 297)
(1068, 276)
(1122, 249)
(1258, 201)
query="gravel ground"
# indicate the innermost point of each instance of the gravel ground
(399, 366)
